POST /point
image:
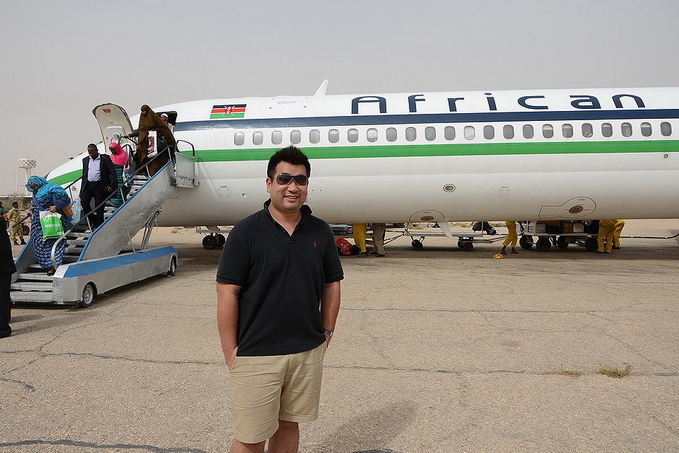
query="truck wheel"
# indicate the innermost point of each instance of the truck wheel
(89, 293)
(526, 242)
(563, 242)
(173, 267)
(543, 244)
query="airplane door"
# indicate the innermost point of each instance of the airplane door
(113, 122)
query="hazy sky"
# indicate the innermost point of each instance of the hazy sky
(59, 59)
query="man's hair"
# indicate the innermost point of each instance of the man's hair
(291, 155)
(91, 145)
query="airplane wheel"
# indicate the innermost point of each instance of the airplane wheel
(526, 242)
(209, 242)
(173, 267)
(417, 245)
(89, 293)
(562, 242)
(591, 244)
(543, 245)
(221, 240)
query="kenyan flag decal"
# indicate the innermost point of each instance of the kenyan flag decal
(227, 111)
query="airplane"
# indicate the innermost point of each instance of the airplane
(551, 154)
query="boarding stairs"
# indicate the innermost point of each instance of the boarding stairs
(139, 211)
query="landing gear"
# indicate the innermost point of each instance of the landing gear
(209, 242)
(417, 245)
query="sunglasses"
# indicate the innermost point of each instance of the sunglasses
(285, 179)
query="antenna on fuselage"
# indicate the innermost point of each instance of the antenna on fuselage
(321, 89)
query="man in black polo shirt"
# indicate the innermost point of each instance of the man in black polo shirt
(278, 297)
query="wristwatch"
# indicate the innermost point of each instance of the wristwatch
(328, 332)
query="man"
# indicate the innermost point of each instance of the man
(617, 231)
(278, 297)
(99, 180)
(605, 235)
(6, 270)
(379, 230)
(17, 231)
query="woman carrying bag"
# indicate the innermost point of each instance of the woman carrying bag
(47, 198)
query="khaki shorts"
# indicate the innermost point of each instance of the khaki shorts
(265, 389)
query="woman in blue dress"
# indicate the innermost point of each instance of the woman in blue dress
(46, 197)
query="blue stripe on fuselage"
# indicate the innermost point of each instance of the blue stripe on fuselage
(428, 118)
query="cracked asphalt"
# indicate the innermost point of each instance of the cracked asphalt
(439, 350)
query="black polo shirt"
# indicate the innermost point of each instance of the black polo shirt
(282, 279)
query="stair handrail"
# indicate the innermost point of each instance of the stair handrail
(85, 217)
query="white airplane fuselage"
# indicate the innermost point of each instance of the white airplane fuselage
(449, 156)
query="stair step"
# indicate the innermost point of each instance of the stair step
(30, 296)
(43, 277)
(32, 286)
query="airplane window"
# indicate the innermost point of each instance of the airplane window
(567, 131)
(488, 132)
(449, 133)
(411, 134)
(528, 131)
(333, 135)
(626, 129)
(239, 138)
(430, 133)
(372, 134)
(352, 135)
(508, 131)
(295, 137)
(314, 136)
(276, 137)
(607, 130)
(666, 129)
(257, 137)
(469, 132)
(646, 129)
(587, 130)
(547, 130)
(391, 134)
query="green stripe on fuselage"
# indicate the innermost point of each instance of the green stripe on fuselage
(66, 178)
(452, 150)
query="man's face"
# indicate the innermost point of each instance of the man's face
(287, 198)
(93, 152)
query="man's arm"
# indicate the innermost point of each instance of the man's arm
(227, 320)
(330, 305)
(112, 176)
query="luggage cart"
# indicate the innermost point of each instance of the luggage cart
(559, 234)
(465, 241)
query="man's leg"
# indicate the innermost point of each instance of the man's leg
(99, 198)
(239, 447)
(86, 203)
(286, 439)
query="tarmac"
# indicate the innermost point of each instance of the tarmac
(438, 350)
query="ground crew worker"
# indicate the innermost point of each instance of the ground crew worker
(17, 232)
(606, 231)
(359, 238)
(619, 225)
(511, 238)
